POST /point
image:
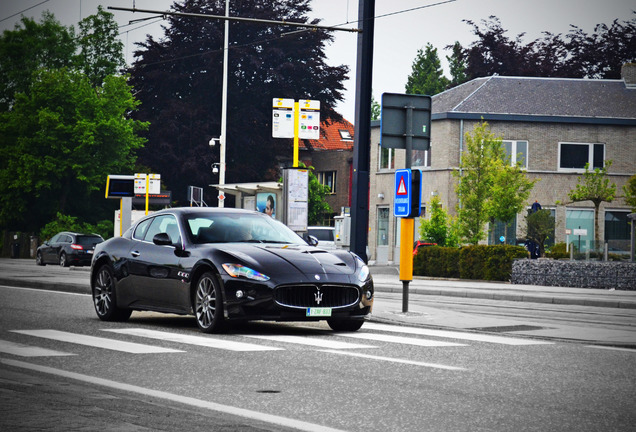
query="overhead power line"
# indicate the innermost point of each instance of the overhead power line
(21, 12)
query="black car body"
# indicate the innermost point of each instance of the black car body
(68, 248)
(224, 264)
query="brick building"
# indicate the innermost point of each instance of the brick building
(332, 159)
(554, 126)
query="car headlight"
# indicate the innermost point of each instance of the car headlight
(363, 273)
(238, 270)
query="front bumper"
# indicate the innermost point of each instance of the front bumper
(245, 300)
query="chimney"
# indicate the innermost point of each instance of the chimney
(628, 73)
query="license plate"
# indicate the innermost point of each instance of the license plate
(90, 252)
(318, 312)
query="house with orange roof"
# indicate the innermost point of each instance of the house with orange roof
(332, 159)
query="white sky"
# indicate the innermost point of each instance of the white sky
(397, 37)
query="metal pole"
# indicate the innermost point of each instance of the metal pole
(406, 237)
(362, 136)
(223, 137)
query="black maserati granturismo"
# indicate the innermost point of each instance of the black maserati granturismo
(223, 265)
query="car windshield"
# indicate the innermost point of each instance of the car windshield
(239, 227)
(89, 241)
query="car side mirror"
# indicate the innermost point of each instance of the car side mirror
(162, 239)
(311, 240)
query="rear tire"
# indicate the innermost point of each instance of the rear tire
(104, 296)
(208, 304)
(345, 325)
(63, 260)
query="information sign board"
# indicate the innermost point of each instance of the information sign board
(283, 118)
(309, 119)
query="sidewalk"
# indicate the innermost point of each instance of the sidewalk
(24, 273)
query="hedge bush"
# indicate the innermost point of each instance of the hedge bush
(437, 261)
(469, 262)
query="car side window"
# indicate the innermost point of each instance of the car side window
(163, 224)
(141, 229)
(55, 238)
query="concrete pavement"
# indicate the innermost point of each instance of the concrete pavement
(24, 273)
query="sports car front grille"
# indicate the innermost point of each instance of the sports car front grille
(327, 296)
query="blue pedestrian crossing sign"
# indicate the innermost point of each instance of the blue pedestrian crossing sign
(407, 200)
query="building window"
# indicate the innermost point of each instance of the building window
(617, 231)
(387, 158)
(421, 158)
(507, 231)
(516, 153)
(580, 225)
(345, 135)
(574, 156)
(328, 178)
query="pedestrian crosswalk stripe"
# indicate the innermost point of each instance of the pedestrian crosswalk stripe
(98, 342)
(396, 360)
(477, 337)
(312, 341)
(401, 339)
(206, 341)
(21, 350)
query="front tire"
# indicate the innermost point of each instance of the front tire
(345, 325)
(38, 259)
(104, 297)
(208, 304)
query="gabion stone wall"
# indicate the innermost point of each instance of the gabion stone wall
(578, 274)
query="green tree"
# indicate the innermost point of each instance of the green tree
(29, 47)
(477, 169)
(630, 192)
(376, 110)
(594, 186)
(457, 64)
(509, 193)
(179, 82)
(101, 52)
(427, 76)
(540, 226)
(440, 228)
(317, 206)
(60, 141)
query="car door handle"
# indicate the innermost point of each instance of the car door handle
(135, 254)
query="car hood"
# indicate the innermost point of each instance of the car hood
(291, 259)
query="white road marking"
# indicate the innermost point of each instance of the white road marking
(611, 348)
(206, 341)
(477, 337)
(396, 360)
(227, 409)
(45, 291)
(400, 339)
(312, 341)
(111, 344)
(21, 350)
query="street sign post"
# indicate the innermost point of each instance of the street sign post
(407, 206)
(297, 120)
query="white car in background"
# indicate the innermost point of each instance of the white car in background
(325, 236)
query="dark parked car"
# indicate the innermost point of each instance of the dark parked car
(68, 248)
(224, 265)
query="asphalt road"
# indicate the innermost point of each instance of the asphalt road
(271, 376)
